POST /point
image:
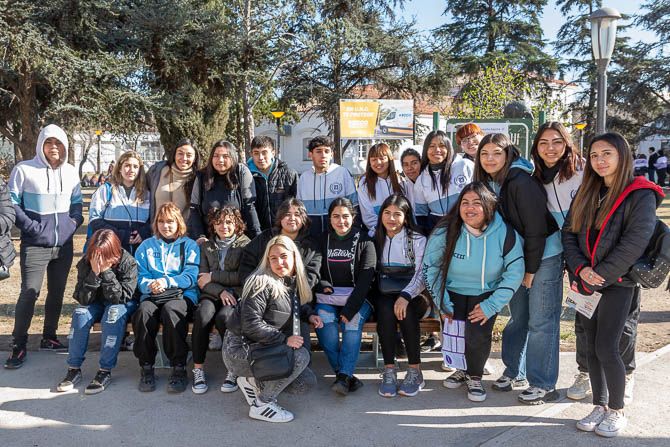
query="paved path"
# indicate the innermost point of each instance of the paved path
(32, 414)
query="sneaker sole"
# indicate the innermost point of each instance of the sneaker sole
(340, 390)
(577, 396)
(387, 394)
(14, 366)
(447, 368)
(264, 419)
(608, 434)
(199, 390)
(62, 389)
(52, 350)
(476, 398)
(406, 394)
(586, 428)
(94, 391)
(229, 389)
(548, 398)
(452, 385)
(147, 389)
(172, 390)
(502, 388)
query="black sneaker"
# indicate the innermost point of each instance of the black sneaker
(431, 344)
(342, 384)
(53, 345)
(148, 379)
(355, 384)
(99, 382)
(16, 358)
(72, 378)
(178, 380)
(537, 396)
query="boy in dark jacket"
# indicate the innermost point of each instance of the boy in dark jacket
(274, 180)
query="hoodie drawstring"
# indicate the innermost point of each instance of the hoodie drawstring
(483, 262)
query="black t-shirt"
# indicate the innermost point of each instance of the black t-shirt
(341, 258)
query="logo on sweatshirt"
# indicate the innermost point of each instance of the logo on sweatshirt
(460, 180)
(459, 256)
(336, 188)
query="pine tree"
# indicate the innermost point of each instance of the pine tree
(484, 31)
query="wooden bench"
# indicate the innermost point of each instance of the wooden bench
(426, 325)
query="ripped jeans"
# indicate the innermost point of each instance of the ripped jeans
(342, 358)
(113, 319)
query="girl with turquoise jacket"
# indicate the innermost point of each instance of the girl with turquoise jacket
(473, 275)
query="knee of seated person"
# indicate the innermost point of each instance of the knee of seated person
(355, 324)
(327, 316)
(81, 317)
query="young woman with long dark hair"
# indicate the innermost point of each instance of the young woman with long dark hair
(347, 272)
(443, 175)
(608, 228)
(473, 265)
(380, 181)
(172, 180)
(223, 181)
(531, 337)
(400, 248)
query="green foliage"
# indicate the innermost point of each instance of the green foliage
(482, 32)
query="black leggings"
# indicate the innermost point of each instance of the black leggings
(409, 327)
(603, 332)
(209, 313)
(477, 336)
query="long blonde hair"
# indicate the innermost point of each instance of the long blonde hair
(140, 180)
(264, 278)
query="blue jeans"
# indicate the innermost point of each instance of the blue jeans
(530, 343)
(113, 319)
(341, 358)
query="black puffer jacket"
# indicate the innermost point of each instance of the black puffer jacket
(228, 278)
(267, 319)
(7, 217)
(622, 239)
(220, 195)
(309, 249)
(523, 203)
(281, 184)
(114, 286)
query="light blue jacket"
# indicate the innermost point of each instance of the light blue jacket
(159, 259)
(477, 266)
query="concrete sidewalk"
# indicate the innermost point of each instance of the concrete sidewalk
(33, 414)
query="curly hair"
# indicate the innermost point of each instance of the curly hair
(216, 216)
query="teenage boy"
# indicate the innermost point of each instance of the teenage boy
(274, 180)
(46, 195)
(326, 181)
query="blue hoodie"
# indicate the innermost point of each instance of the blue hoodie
(47, 200)
(477, 267)
(157, 258)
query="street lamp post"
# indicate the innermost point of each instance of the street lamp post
(603, 36)
(98, 133)
(580, 127)
(278, 114)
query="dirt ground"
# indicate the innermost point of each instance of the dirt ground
(654, 329)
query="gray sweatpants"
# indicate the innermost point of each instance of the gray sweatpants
(301, 379)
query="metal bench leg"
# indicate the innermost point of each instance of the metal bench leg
(375, 349)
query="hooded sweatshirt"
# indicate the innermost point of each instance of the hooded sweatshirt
(317, 192)
(559, 199)
(370, 207)
(478, 266)
(433, 200)
(47, 201)
(157, 258)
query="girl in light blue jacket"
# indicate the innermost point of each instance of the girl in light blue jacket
(473, 275)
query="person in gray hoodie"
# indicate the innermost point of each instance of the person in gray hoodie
(46, 195)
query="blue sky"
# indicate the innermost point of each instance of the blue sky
(428, 14)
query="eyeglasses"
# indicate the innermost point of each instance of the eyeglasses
(472, 139)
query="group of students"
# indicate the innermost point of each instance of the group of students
(266, 256)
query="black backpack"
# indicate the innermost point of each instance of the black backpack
(654, 266)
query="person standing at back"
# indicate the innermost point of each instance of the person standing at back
(274, 180)
(652, 161)
(46, 195)
(326, 181)
(661, 165)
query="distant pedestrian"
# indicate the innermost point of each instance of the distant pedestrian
(661, 166)
(650, 165)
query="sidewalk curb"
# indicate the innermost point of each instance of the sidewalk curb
(561, 405)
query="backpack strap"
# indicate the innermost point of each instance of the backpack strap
(510, 239)
(410, 246)
(108, 186)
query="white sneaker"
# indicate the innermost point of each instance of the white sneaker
(215, 342)
(590, 422)
(628, 392)
(581, 387)
(447, 368)
(199, 381)
(613, 424)
(229, 385)
(476, 392)
(269, 412)
(249, 389)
